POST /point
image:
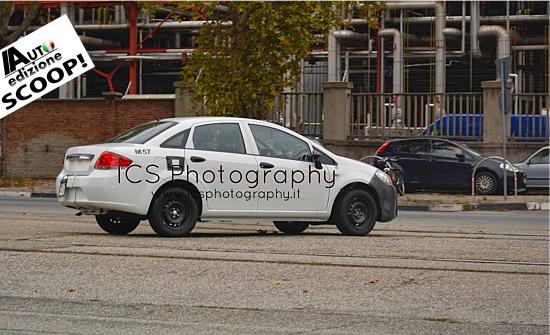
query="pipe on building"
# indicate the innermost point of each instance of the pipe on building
(99, 43)
(463, 40)
(503, 39)
(452, 32)
(397, 57)
(333, 62)
(458, 18)
(474, 29)
(333, 47)
(439, 8)
(530, 47)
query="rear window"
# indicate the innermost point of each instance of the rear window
(143, 132)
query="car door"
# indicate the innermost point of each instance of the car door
(414, 157)
(450, 166)
(288, 174)
(537, 169)
(217, 158)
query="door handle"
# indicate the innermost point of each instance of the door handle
(265, 165)
(196, 159)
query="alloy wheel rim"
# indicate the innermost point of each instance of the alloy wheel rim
(484, 183)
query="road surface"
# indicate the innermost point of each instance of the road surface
(424, 273)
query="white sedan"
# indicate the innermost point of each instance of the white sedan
(175, 172)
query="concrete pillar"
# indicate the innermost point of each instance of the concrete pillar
(66, 91)
(336, 110)
(492, 116)
(184, 100)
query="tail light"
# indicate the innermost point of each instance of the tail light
(382, 148)
(110, 160)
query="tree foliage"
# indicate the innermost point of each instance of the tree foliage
(248, 52)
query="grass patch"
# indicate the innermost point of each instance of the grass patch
(21, 182)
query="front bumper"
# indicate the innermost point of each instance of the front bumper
(387, 196)
(521, 182)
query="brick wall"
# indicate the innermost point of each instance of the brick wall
(36, 137)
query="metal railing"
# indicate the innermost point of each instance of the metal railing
(505, 164)
(301, 112)
(450, 115)
(529, 119)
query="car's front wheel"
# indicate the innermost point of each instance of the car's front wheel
(173, 213)
(485, 183)
(116, 225)
(356, 213)
(291, 227)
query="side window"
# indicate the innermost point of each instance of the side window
(412, 147)
(445, 150)
(324, 158)
(540, 158)
(223, 137)
(177, 141)
(272, 142)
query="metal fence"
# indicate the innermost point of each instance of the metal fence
(529, 119)
(301, 112)
(450, 115)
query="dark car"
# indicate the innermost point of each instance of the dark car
(445, 165)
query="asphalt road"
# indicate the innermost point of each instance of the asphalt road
(424, 273)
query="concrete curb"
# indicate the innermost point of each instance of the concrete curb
(17, 194)
(43, 195)
(526, 206)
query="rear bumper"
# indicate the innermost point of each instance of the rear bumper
(100, 191)
(388, 200)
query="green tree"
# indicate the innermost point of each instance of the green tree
(248, 52)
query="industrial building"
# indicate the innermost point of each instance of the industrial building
(436, 46)
(428, 70)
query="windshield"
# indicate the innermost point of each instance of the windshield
(142, 133)
(470, 151)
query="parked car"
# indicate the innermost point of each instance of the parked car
(469, 127)
(537, 169)
(177, 171)
(431, 163)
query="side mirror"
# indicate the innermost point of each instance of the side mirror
(317, 161)
(461, 157)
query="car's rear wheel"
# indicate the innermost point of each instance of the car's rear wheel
(173, 213)
(356, 213)
(116, 225)
(485, 183)
(291, 227)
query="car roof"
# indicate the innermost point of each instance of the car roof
(195, 119)
(206, 118)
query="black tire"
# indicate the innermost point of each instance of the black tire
(398, 182)
(485, 183)
(356, 213)
(116, 225)
(173, 213)
(291, 227)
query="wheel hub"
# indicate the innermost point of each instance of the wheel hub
(358, 212)
(174, 213)
(484, 183)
